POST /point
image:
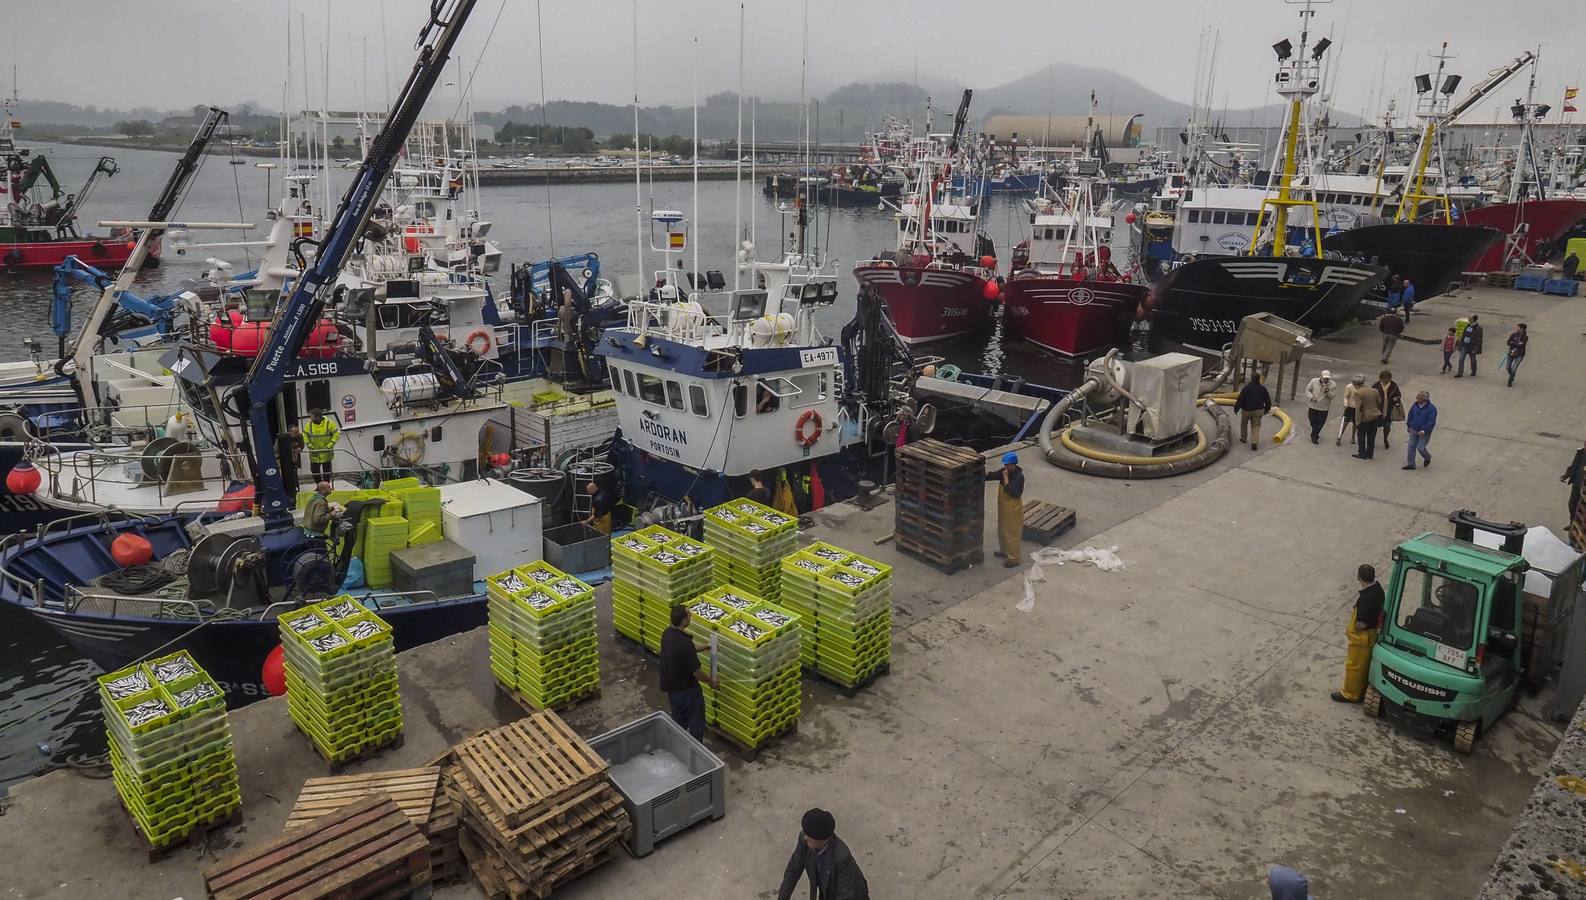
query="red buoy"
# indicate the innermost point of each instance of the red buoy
(274, 672)
(988, 262)
(991, 291)
(131, 550)
(501, 460)
(238, 499)
(1129, 218)
(24, 478)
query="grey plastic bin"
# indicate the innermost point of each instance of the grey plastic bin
(659, 811)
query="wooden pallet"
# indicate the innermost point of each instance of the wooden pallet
(521, 766)
(936, 454)
(523, 701)
(936, 558)
(849, 690)
(368, 848)
(1044, 521)
(194, 838)
(752, 753)
(417, 792)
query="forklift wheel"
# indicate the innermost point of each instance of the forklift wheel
(1372, 702)
(1465, 735)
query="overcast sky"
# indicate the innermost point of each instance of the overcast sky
(173, 53)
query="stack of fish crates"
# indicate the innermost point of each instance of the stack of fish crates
(653, 570)
(382, 535)
(341, 678)
(543, 646)
(845, 601)
(757, 665)
(750, 540)
(170, 748)
(421, 506)
(940, 496)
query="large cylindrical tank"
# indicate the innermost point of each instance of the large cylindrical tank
(554, 489)
(411, 388)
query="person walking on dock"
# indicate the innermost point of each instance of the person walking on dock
(1391, 327)
(1418, 424)
(1391, 399)
(1362, 634)
(1448, 352)
(1572, 477)
(1351, 408)
(682, 675)
(1515, 353)
(1469, 346)
(822, 855)
(321, 435)
(1319, 397)
(1010, 509)
(1408, 298)
(1368, 415)
(1253, 404)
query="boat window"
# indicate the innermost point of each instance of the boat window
(1219, 217)
(378, 443)
(627, 379)
(811, 389)
(696, 400)
(1194, 216)
(435, 433)
(1252, 218)
(740, 400)
(674, 395)
(1438, 608)
(616, 379)
(650, 390)
(316, 395)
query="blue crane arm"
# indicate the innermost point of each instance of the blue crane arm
(298, 313)
(71, 271)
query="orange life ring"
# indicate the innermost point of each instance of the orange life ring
(479, 342)
(808, 440)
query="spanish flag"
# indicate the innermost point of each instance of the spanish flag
(1569, 93)
(675, 240)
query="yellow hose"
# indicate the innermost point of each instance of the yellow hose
(1074, 446)
(1286, 426)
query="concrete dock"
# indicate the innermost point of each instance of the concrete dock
(1161, 731)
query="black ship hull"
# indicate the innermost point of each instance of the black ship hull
(1199, 304)
(1431, 256)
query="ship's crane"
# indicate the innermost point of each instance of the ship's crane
(297, 315)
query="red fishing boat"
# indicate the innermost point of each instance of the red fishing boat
(38, 226)
(1065, 293)
(941, 281)
(1527, 226)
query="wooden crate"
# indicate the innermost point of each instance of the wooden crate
(368, 848)
(417, 792)
(1044, 521)
(536, 806)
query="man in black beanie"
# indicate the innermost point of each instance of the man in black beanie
(823, 856)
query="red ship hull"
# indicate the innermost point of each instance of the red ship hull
(928, 304)
(1544, 220)
(102, 253)
(1071, 316)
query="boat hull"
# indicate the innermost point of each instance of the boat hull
(1200, 304)
(1529, 224)
(1432, 256)
(1070, 316)
(105, 254)
(929, 304)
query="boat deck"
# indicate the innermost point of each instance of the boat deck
(1160, 731)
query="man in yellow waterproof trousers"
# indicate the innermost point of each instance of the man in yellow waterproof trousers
(1362, 635)
(1010, 508)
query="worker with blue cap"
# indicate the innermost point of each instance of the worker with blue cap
(1010, 508)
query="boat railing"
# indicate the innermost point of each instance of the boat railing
(81, 599)
(682, 322)
(104, 476)
(101, 424)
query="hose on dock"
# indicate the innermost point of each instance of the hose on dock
(1076, 457)
(1285, 423)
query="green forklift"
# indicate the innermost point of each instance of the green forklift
(1461, 633)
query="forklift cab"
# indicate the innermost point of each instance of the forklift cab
(1449, 652)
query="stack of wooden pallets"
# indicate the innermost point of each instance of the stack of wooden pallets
(366, 849)
(940, 492)
(417, 792)
(538, 807)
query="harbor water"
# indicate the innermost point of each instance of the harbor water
(49, 713)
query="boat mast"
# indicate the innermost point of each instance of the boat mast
(638, 184)
(1434, 96)
(1297, 79)
(737, 184)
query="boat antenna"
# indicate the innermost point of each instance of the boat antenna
(385, 56)
(738, 254)
(694, 59)
(754, 153)
(545, 127)
(638, 185)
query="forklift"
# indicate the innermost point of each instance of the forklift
(1460, 632)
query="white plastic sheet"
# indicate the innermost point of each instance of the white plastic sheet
(1105, 559)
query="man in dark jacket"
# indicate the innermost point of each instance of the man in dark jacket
(1469, 346)
(1362, 635)
(1419, 423)
(1572, 477)
(1252, 405)
(1516, 351)
(822, 855)
(1391, 327)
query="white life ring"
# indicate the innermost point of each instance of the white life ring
(409, 448)
(480, 342)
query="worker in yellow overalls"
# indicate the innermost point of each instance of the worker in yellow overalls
(783, 501)
(601, 503)
(1362, 635)
(1010, 508)
(320, 436)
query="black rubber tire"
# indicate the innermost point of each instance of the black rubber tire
(1465, 735)
(1371, 703)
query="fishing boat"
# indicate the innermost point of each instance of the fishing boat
(1200, 303)
(39, 229)
(941, 281)
(1065, 293)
